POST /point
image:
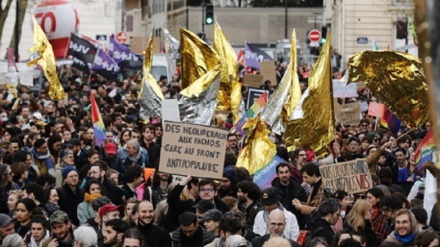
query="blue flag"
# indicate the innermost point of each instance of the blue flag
(123, 56)
(104, 64)
(254, 55)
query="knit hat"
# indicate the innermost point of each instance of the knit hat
(5, 220)
(231, 175)
(67, 170)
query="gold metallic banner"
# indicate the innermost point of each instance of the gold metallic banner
(47, 62)
(316, 129)
(395, 78)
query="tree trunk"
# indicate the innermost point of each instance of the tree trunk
(3, 14)
(19, 21)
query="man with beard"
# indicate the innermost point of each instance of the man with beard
(70, 194)
(42, 158)
(190, 233)
(113, 231)
(249, 194)
(108, 212)
(113, 192)
(62, 230)
(312, 176)
(228, 185)
(406, 228)
(154, 235)
(290, 190)
(152, 147)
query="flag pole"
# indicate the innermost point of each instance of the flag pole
(93, 64)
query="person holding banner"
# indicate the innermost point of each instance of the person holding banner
(312, 176)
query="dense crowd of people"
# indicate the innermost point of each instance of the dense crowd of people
(58, 188)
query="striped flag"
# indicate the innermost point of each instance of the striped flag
(251, 112)
(98, 124)
(424, 150)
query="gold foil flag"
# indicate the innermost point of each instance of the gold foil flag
(47, 62)
(397, 79)
(316, 128)
(287, 95)
(196, 57)
(151, 96)
(229, 85)
(198, 100)
(259, 150)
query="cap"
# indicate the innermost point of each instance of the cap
(213, 214)
(204, 205)
(231, 175)
(59, 217)
(107, 208)
(5, 220)
(111, 148)
(270, 196)
(37, 115)
(236, 241)
(73, 142)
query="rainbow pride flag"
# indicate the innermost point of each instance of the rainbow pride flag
(390, 121)
(263, 177)
(98, 124)
(425, 150)
(251, 112)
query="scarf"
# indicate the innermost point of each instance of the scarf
(135, 159)
(266, 214)
(91, 197)
(44, 157)
(405, 239)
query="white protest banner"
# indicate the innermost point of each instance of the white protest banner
(26, 74)
(341, 90)
(348, 114)
(170, 110)
(193, 149)
(351, 176)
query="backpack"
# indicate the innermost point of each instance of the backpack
(306, 235)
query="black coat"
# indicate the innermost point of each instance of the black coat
(113, 192)
(321, 228)
(155, 235)
(69, 201)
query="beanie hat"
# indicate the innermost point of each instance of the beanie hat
(231, 175)
(68, 169)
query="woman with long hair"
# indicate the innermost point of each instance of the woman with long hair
(358, 221)
(6, 185)
(13, 198)
(23, 212)
(51, 199)
(85, 209)
(124, 137)
(20, 171)
(129, 205)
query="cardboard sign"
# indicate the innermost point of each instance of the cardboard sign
(340, 90)
(267, 70)
(253, 95)
(253, 80)
(170, 110)
(193, 149)
(351, 176)
(348, 114)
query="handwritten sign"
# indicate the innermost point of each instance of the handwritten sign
(352, 176)
(253, 80)
(348, 114)
(340, 90)
(194, 149)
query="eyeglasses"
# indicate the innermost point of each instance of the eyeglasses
(207, 190)
(73, 176)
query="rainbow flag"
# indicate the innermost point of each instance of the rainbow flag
(390, 121)
(98, 124)
(425, 150)
(251, 112)
(263, 177)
